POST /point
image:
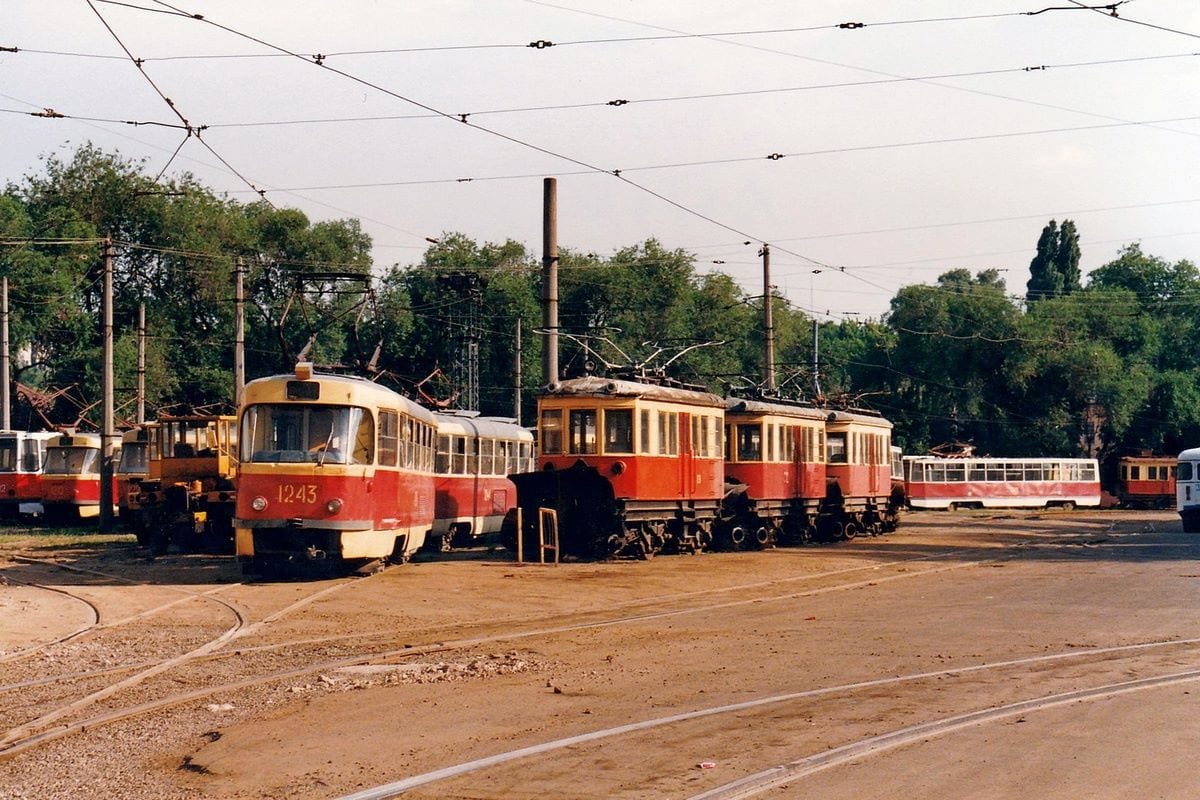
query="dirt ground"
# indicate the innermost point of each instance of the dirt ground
(1013, 654)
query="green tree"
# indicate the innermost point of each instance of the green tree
(1055, 269)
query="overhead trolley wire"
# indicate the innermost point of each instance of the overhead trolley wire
(536, 44)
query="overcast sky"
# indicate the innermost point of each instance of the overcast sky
(917, 143)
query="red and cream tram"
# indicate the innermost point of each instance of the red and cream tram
(475, 456)
(631, 467)
(22, 461)
(334, 470)
(1146, 481)
(951, 483)
(776, 451)
(858, 475)
(71, 481)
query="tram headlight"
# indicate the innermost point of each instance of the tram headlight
(333, 506)
(259, 503)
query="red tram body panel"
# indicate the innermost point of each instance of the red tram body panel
(777, 451)
(472, 492)
(631, 467)
(22, 462)
(1147, 481)
(979, 482)
(71, 481)
(334, 471)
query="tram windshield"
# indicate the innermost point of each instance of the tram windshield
(134, 459)
(292, 433)
(72, 461)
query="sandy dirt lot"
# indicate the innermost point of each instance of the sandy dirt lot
(977, 654)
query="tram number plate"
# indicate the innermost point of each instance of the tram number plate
(297, 493)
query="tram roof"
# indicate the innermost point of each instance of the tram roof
(490, 427)
(1191, 454)
(595, 386)
(735, 405)
(351, 389)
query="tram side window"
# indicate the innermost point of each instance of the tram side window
(1087, 472)
(551, 431)
(668, 433)
(485, 450)
(8, 455)
(387, 437)
(956, 473)
(33, 452)
(749, 442)
(836, 445)
(441, 463)
(644, 433)
(582, 431)
(728, 445)
(1135, 473)
(618, 430)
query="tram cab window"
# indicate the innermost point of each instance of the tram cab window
(618, 430)
(1184, 472)
(582, 431)
(551, 431)
(836, 447)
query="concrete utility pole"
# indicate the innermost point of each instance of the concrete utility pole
(517, 376)
(107, 432)
(816, 362)
(550, 279)
(768, 324)
(141, 365)
(239, 331)
(5, 375)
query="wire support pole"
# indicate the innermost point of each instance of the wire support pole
(239, 331)
(5, 367)
(550, 279)
(107, 431)
(141, 365)
(768, 323)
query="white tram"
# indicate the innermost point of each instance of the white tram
(1187, 490)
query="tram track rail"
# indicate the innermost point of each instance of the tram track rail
(767, 779)
(21, 738)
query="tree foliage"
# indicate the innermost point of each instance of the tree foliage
(1077, 368)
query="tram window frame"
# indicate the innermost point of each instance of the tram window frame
(551, 433)
(387, 447)
(668, 433)
(487, 455)
(582, 436)
(618, 431)
(749, 444)
(836, 453)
